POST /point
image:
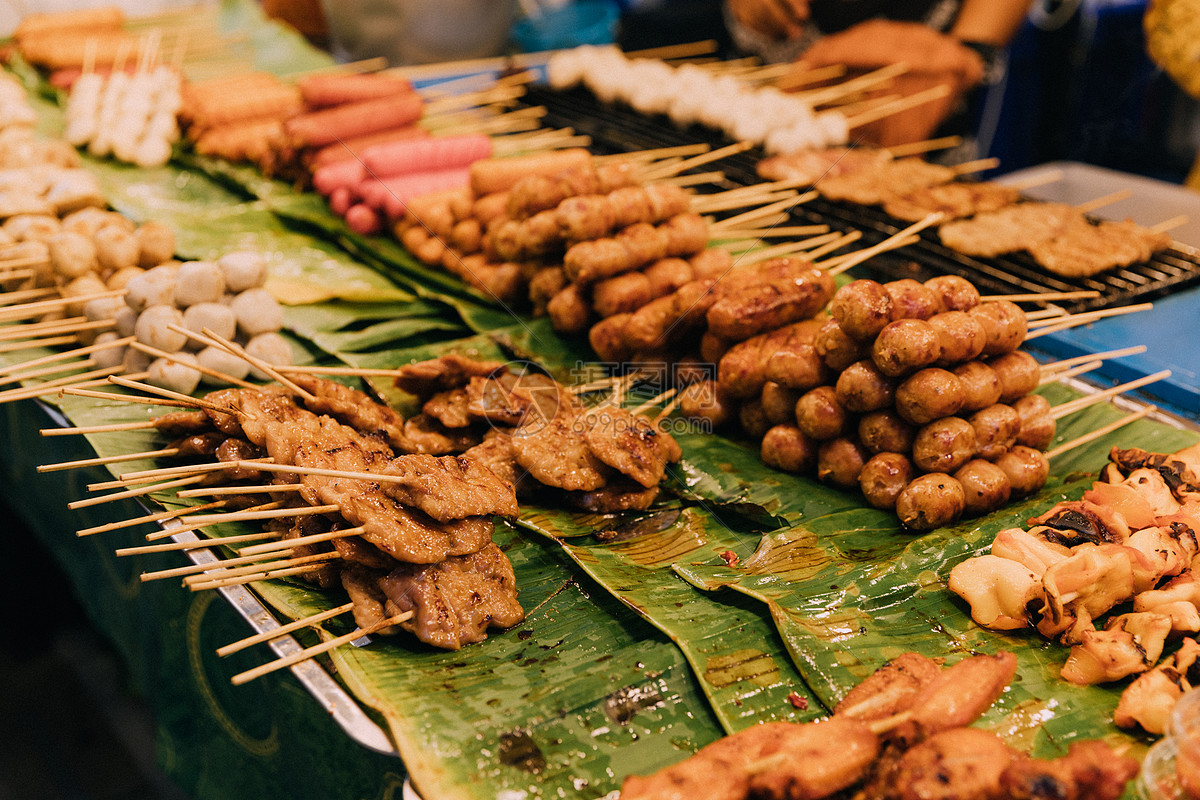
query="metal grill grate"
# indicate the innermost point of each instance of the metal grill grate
(615, 129)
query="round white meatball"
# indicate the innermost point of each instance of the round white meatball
(125, 319)
(271, 348)
(135, 361)
(116, 248)
(198, 282)
(243, 270)
(176, 373)
(82, 286)
(156, 244)
(103, 308)
(216, 317)
(108, 357)
(221, 360)
(257, 312)
(152, 328)
(32, 227)
(152, 288)
(121, 278)
(71, 254)
(86, 221)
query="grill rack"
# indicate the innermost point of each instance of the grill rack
(616, 129)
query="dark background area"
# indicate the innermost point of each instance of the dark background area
(69, 727)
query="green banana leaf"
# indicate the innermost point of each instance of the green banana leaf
(565, 704)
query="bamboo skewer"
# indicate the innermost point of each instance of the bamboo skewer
(785, 249)
(924, 146)
(300, 541)
(110, 428)
(670, 51)
(804, 78)
(253, 577)
(67, 385)
(208, 337)
(1055, 325)
(39, 307)
(52, 369)
(696, 161)
(50, 359)
(841, 264)
(201, 520)
(1046, 313)
(653, 401)
(655, 154)
(594, 386)
(218, 491)
(92, 462)
(1078, 369)
(13, 298)
(194, 579)
(51, 341)
(1106, 200)
(71, 325)
(790, 200)
(163, 473)
(283, 630)
(877, 77)
(752, 253)
(1044, 296)
(1065, 363)
(772, 201)
(1033, 181)
(196, 544)
(193, 569)
(160, 516)
(131, 493)
(1071, 406)
(167, 394)
(309, 652)
(978, 165)
(1169, 224)
(203, 370)
(836, 244)
(1101, 431)
(772, 233)
(911, 101)
(176, 530)
(694, 179)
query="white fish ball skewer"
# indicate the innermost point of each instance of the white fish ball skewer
(244, 269)
(271, 348)
(153, 328)
(176, 373)
(199, 282)
(257, 312)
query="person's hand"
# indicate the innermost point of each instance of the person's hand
(933, 59)
(778, 19)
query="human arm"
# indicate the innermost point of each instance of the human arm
(990, 22)
(776, 19)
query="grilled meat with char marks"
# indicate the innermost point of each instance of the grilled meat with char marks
(954, 200)
(450, 408)
(450, 487)
(455, 601)
(875, 186)
(424, 434)
(631, 444)
(352, 407)
(556, 454)
(1008, 230)
(183, 423)
(403, 533)
(426, 378)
